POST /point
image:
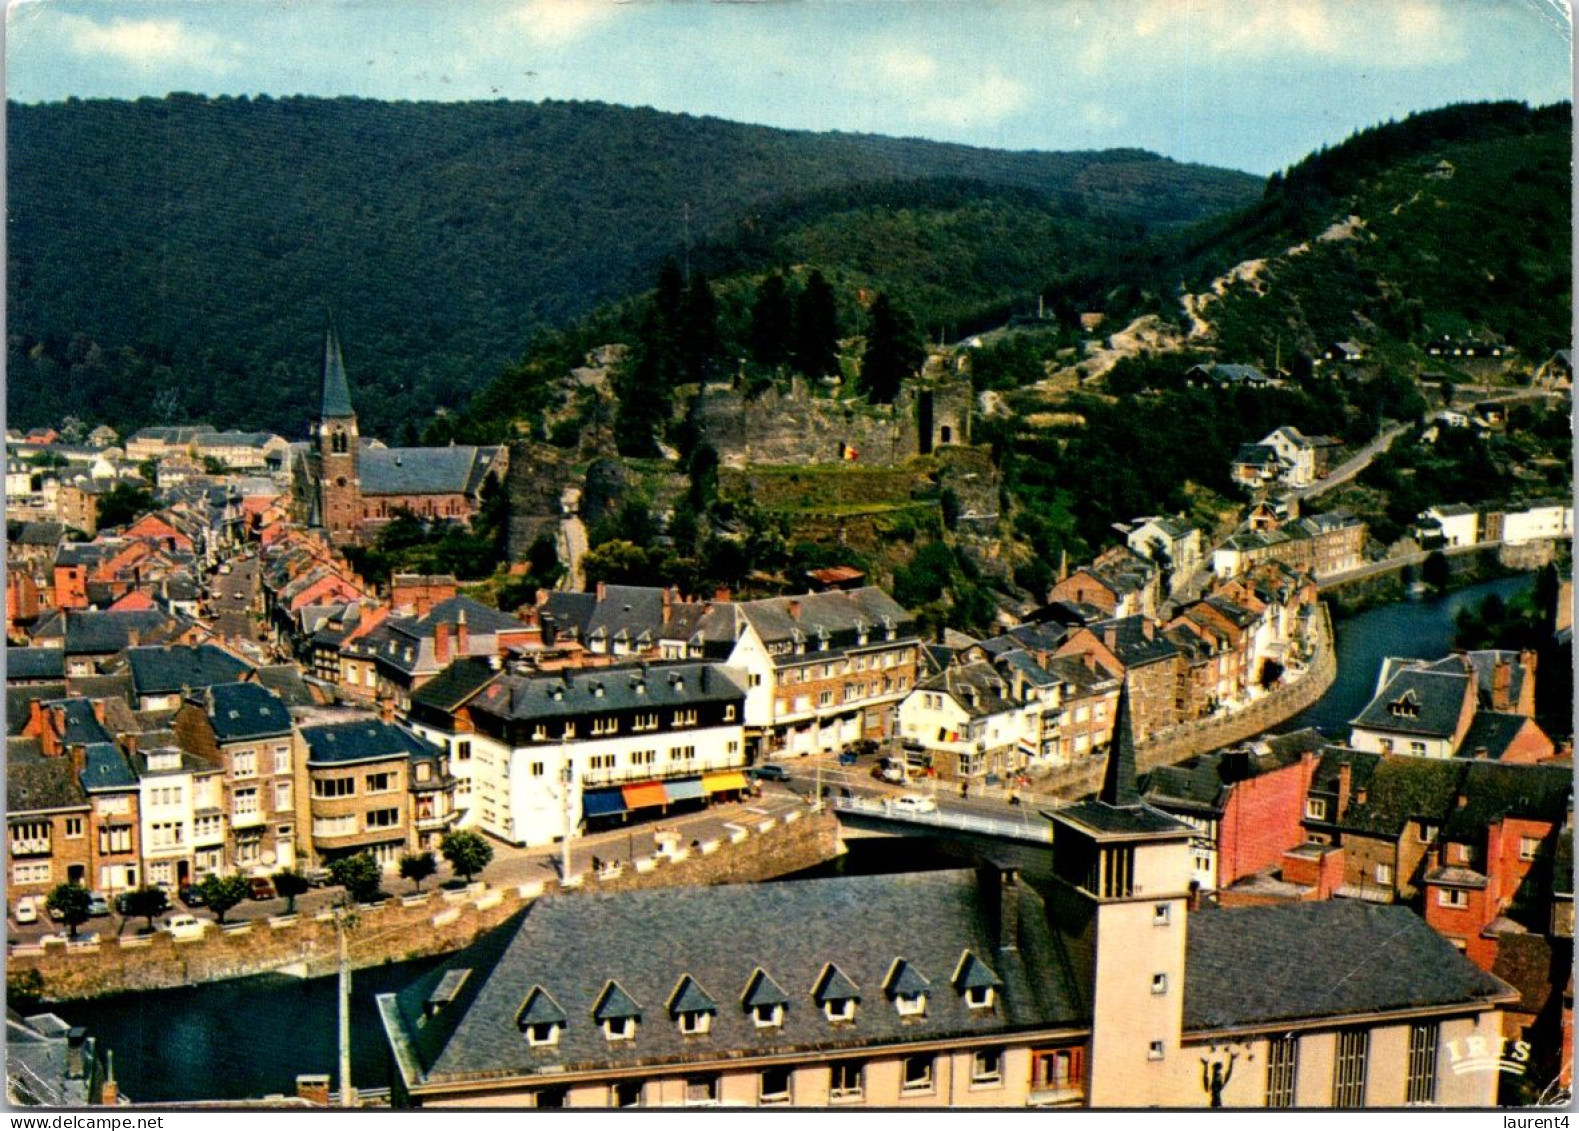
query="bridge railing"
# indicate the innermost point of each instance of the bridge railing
(1028, 827)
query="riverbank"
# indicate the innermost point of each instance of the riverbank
(435, 922)
(1490, 563)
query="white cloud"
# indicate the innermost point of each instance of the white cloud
(990, 98)
(556, 22)
(149, 42)
(1398, 33)
(905, 67)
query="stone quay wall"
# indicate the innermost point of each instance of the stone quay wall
(434, 922)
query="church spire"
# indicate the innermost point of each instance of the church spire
(1118, 784)
(336, 390)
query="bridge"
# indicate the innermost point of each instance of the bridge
(1030, 826)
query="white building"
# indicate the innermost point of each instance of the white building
(1548, 518)
(1459, 524)
(550, 752)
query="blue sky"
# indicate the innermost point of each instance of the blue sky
(1249, 84)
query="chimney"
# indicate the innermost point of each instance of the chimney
(441, 642)
(721, 594)
(1482, 753)
(462, 635)
(76, 1039)
(133, 638)
(668, 604)
(1461, 800)
(78, 753)
(794, 609)
(1148, 627)
(314, 1089)
(1360, 795)
(1501, 685)
(603, 590)
(1345, 785)
(98, 709)
(1110, 637)
(109, 1091)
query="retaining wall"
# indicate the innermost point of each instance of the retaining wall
(407, 927)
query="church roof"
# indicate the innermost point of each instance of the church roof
(336, 390)
(456, 470)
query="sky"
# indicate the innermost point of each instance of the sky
(1246, 84)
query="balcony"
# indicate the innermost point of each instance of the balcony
(30, 846)
(247, 820)
(437, 821)
(1065, 1095)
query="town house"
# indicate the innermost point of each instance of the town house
(358, 775)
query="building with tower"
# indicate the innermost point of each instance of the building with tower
(347, 485)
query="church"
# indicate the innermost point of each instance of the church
(348, 486)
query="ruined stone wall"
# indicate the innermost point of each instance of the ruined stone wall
(537, 477)
(798, 427)
(434, 922)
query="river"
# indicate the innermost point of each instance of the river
(253, 1036)
(1416, 629)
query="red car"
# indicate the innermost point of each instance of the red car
(260, 887)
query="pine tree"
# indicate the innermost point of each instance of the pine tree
(893, 351)
(699, 341)
(817, 328)
(772, 323)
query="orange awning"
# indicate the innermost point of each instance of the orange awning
(718, 783)
(644, 795)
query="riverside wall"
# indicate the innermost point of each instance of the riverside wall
(434, 922)
(1188, 739)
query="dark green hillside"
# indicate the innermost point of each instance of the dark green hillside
(174, 258)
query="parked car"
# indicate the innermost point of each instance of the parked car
(317, 877)
(98, 905)
(183, 926)
(192, 895)
(848, 757)
(913, 803)
(769, 773)
(891, 770)
(27, 909)
(260, 887)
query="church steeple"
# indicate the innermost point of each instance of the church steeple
(336, 389)
(1118, 782)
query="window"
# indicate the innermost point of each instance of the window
(243, 764)
(1159, 983)
(570, 730)
(825, 699)
(986, 1066)
(282, 795)
(1316, 808)
(1423, 1041)
(1281, 1067)
(335, 826)
(643, 757)
(542, 1034)
(1417, 748)
(463, 750)
(682, 753)
(1427, 833)
(685, 718)
(701, 1091)
(911, 1005)
(1384, 873)
(383, 818)
(626, 1093)
(167, 834)
(846, 1080)
(380, 783)
(246, 802)
(756, 679)
(601, 762)
(334, 787)
(729, 713)
(605, 726)
(1452, 897)
(1118, 871)
(538, 769)
(979, 997)
(1348, 1070)
(282, 759)
(916, 1075)
(1161, 915)
(620, 1028)
(550, 1097)
(839, 1009)
(73, 828)
(1528, 847)
(38, 873)
(775, 1086)
(695, 1022)
(1155, 1051)
(424, 772)
(768, 1016)
(539, 734)
(30, 838)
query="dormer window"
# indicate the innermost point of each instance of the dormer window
(979, 997)
(768, 1016)
(540, 1019)
(764, 1000)
(976, 982)
(691, 1007)
(617, 1012)
(836, 994)
(907, 987)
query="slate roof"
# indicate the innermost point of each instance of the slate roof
(458, 470)
(336, 390)
(724, 935)
(36, 784)
(660, 685)
(540, 1009)
(837, 613)
(453, 686)
(18, 700)
(905, 980)
(1493, 790)
(106, 769)
(239, 711)
(363, 741)
(41, 534)
(82, 725)
(286, 681)
(1484, 664)
(34, 664)
(1132, 646)
(1252, 966)
(1435, 698)
(1397, 791)
(166, 670)
(90, 632)
(690, 997)
(763, 990)
(977, 688)
(615, 1004)
(1493, 732)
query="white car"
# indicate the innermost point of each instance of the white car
(913, 803)
(27, 909)
(183, 926)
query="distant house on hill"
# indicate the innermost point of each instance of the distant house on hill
(1213, 375)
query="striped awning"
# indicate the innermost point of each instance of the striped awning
(686, 789)
(718, 783)
(644, 795)
(602, 802)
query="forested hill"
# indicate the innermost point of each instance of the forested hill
(175, 258)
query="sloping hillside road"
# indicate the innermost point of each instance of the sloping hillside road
(1355, 464)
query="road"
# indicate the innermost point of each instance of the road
(1355, 464)
(573, 535)
(233, 597)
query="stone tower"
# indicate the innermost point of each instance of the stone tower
(339, 483)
